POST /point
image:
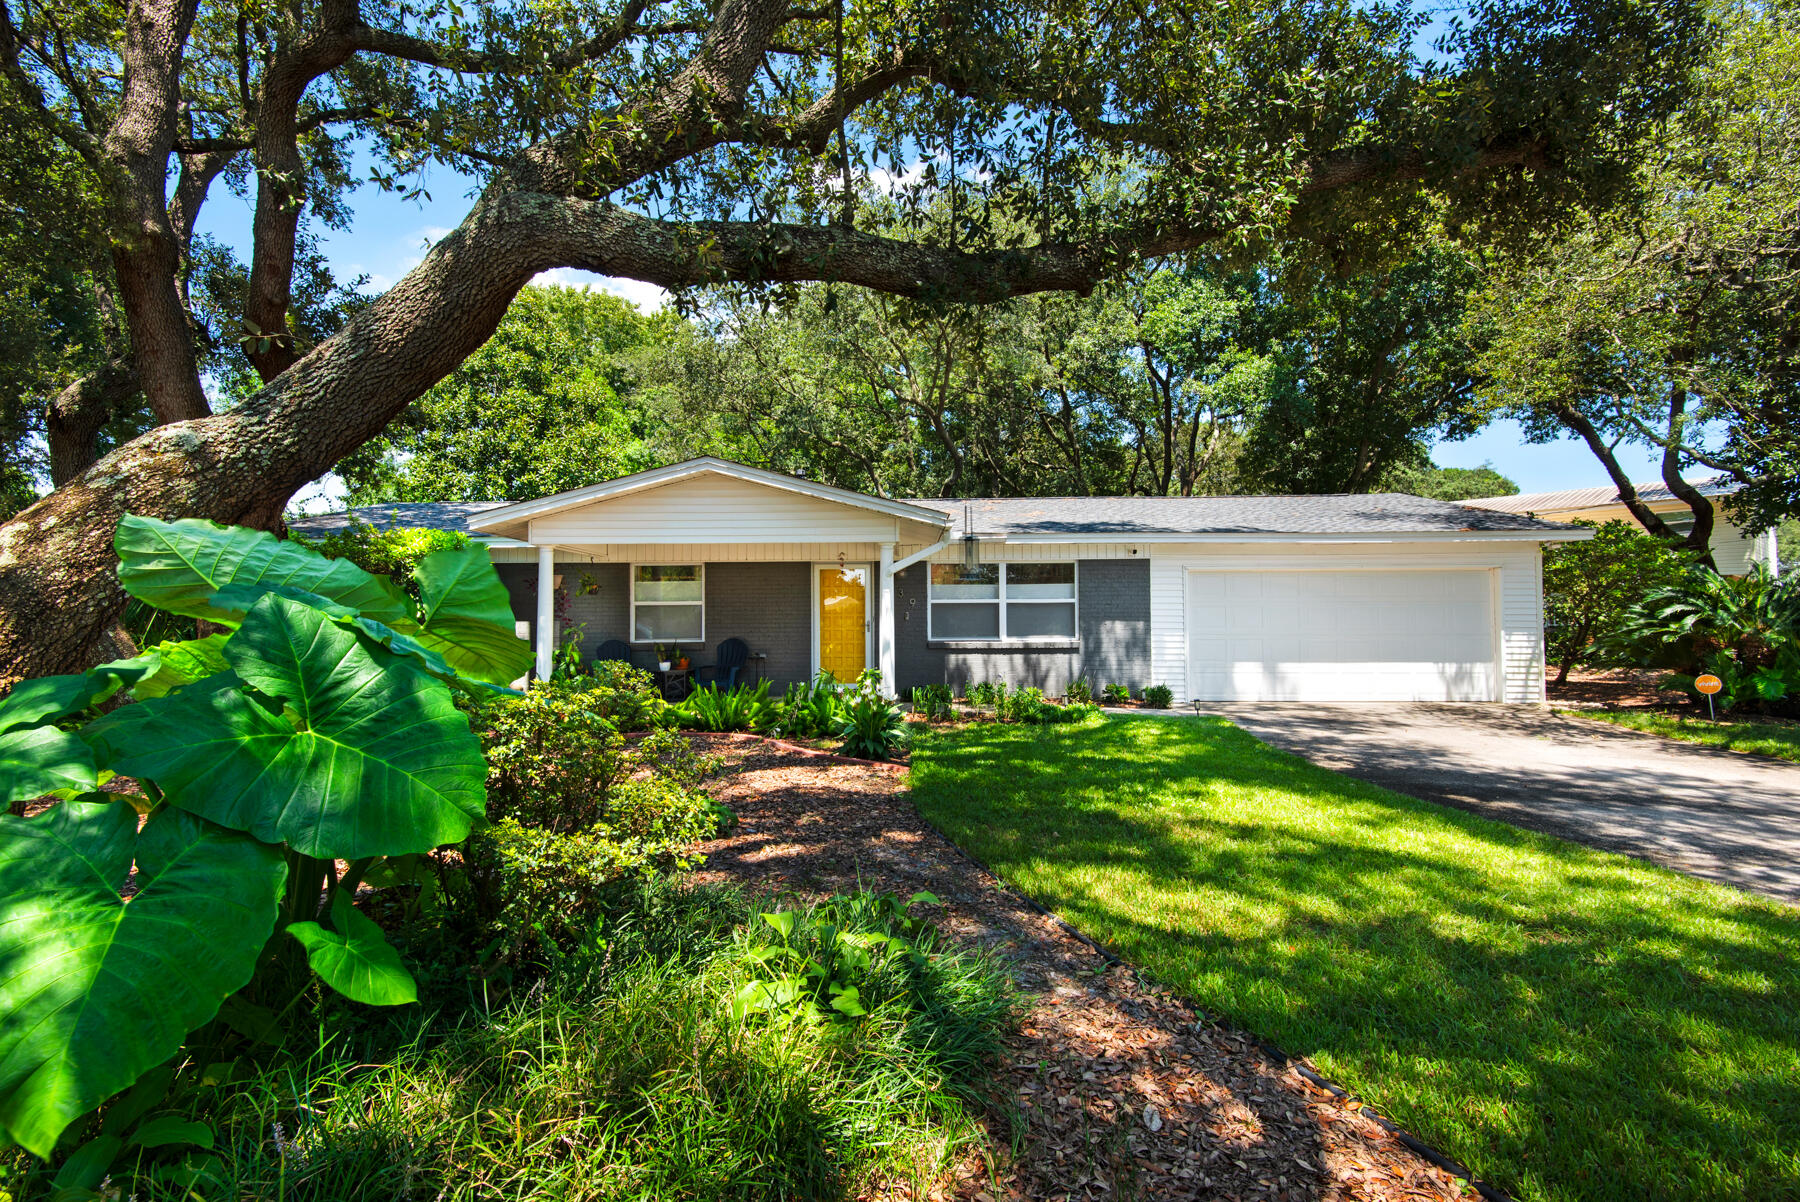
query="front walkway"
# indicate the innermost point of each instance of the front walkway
(1721, 815)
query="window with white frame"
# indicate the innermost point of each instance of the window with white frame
(668, 603)
(1012, 602)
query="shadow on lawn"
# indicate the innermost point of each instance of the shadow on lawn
(1570, 1023)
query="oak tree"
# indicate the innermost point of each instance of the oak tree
(701, 142)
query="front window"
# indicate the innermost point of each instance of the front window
(668, 603)
(1003, 602)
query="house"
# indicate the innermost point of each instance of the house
(1733, 549)
(1381, 597)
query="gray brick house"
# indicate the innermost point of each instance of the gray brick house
(1380, 597)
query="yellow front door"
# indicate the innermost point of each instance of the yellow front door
(843, 614)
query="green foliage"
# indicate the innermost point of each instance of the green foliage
(1116, 694)
(809, 710)
(396, 553)
(99, 989)
(742, 707)
(838, 960)
(987, 692)
(1030, 706)
(1592, 589)
(1159, 696)
(1669, 323)
(1079, 689)
(557, 754)
(1755, 618)
(1449, 483)
(621, 1074)
(871, 726)
(551, 401)
(310, 731)
(934, 702)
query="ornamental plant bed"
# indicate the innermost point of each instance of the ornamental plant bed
(1112, 1087)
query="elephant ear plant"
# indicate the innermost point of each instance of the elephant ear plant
(318, 727)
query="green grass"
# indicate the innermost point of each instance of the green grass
(1569, 1023)
(1764, 737)
(623, 1081)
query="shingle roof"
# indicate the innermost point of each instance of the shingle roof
(1595, 498)
(396, 515)
(1101, 517)
(1340, 513)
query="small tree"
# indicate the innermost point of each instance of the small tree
(1591, 589)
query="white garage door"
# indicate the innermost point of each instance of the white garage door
(1341, 636)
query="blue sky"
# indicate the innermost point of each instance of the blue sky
(390, 237)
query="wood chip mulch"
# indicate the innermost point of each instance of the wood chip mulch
(1112, 1089)
(1623, 688)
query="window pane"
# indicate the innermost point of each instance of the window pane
(954, 582)
(965, 621)
(1040, 621)
(1040, 580)
(667, 623)
(668, 582)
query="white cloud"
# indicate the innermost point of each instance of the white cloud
(647, 297)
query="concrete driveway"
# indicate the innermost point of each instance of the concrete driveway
(1716, 814)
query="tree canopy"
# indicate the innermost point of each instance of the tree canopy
(695, 144)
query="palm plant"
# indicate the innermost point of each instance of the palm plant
(1754, 618)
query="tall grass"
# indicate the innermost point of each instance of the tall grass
(624, 1079)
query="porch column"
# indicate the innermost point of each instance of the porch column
(546, 611)
(885, 642)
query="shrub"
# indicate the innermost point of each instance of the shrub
(1079, 690)
(987, 693)
(871, 726)
(552, 757)
(625, 696)
(1117, 694)
(1159, 696)
(1755, 617)
(934, 702)
(1592, 589)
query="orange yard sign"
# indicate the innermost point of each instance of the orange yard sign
(1708, 684)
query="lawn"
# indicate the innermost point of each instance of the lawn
(1781, 739)
(1569, 1023)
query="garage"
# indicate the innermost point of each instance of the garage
(1342, 635)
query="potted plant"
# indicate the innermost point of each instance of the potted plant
(662, 658)
(681, 659)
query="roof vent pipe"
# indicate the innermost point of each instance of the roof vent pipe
(971, 549)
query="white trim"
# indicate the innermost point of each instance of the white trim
(706, 465)
(916, 556)
(1575, 534)
(886, 659)
(868, 612)
(1000, 599)
(632, 608)
(546, 610)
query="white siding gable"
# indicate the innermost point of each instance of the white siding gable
(717, 509)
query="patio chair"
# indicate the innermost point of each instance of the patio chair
(724, 670)
(614, 649)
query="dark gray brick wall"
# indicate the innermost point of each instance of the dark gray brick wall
(768, 605)
(1113, 644)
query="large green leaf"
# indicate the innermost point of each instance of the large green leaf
(43, 759)
(182, 663)
(356, 959)
(179, 566)
(369, 759)
(466, 616)
(47, 698)
(95, 991)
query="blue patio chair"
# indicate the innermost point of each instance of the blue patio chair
(724, 671)
(614, 649)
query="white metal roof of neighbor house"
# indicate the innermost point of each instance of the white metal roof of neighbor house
(1596, 498)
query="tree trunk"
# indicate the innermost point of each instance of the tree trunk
(76, 415)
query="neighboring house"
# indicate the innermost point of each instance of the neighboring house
(1733, 549)
(1381, 597)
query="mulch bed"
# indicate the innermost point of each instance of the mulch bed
(1616, 688)
(1112, 1089)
